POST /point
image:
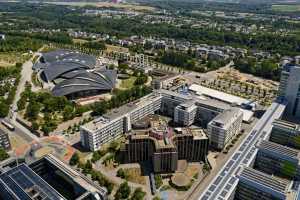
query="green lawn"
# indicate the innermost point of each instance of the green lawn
(128, 83)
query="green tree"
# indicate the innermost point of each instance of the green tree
(74, 159)
(35, 126)
(123, 192)
(156, 198)
(122, 174)
(32, 111)
(3, 154)
(4, 109)
(68, 112)
(138, 194)
(158, 180)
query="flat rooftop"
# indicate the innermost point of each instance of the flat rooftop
(227, 117)
(197, 133)
(221, 96)
(23, 183)
(260, 179)
(286, 124)
(278, 149)
(120, 112)
(199, 100)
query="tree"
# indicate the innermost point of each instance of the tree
(34, 125)
(138, 194)
(4, 109)
(3, 154)
(122, 174)
(156, 198)
(123, 192)
(88, 165)
(68, 112)
(32, 111)
(158, 181)
(96, 156)
(74, 159)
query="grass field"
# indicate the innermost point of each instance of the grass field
(286, 8)
(106, 5)
(10, 59)
(128, 83)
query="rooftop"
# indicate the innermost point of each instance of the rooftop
(215, 94)
(260, 179)
(120, 112)
(197, 133)
(199, 100)
(279, 150)
(285, 124)
(23, 183)
(225, 118)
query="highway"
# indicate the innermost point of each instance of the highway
(222, 186)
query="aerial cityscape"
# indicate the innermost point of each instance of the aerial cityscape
(150, 100)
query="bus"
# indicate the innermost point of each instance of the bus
(8, 125)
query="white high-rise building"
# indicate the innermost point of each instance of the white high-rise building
(289, 89)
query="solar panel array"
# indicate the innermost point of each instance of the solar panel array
(22, 183)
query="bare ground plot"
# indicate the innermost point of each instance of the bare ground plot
(111, 48)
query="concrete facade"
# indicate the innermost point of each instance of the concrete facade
(223, 128)
(289, 89)
(187, 144)
(118, 121)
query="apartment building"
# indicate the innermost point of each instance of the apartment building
(223, 128)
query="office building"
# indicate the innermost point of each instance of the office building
(285, 133)
(4, 140)
(223, 128)
(279, 160)
(289, 89)
(183, 109)
(164, 152)
(185, 113)
(256, 185)
(49, 179)
(118, 121)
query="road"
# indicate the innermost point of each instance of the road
(26, 74)
(224, 182)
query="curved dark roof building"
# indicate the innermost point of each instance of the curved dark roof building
(67, 55)
(57, 69)
(86, 83)
(75, 74)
